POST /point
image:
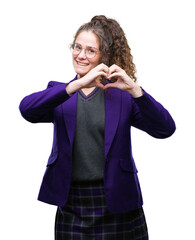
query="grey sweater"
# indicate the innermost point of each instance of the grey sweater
(88, 148)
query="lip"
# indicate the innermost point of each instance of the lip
(82, 64)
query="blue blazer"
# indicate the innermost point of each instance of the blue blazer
(122, 188)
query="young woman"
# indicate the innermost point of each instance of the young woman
(91, 174)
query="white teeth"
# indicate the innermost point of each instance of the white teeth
(82, 64)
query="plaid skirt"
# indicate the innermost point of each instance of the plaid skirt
(86, 217)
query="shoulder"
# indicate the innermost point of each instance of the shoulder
(55, 83)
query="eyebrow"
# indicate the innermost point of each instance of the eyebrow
(87, 46)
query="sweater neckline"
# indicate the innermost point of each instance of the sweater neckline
(95, 90)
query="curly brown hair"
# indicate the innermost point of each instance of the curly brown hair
(113, 43)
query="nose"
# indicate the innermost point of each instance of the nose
(82, 54)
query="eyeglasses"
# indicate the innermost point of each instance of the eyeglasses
(90, 52)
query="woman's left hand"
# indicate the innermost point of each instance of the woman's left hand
(123, 82)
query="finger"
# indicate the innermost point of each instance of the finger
(114, 68)
(100, 85)
(115, 74)
(97, 75)
(103, 67)
(110, 85)
(102, 74)
(99, 78)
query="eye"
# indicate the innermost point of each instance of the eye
(91, 51)
(77, 47)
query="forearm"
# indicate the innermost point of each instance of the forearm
(38, 107)
(73, 86)
(152, 117)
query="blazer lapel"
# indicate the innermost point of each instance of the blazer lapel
(70, 116)
(112, 114)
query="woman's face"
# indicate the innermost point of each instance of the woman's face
(86, 42)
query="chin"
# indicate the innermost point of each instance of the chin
(82, 72)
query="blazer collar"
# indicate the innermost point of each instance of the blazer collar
(70, 116)
(70, 110)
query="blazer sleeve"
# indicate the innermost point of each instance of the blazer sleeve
(151, 117)
(39, 106)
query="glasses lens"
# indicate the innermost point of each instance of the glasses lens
(89, 52)
(77, 49)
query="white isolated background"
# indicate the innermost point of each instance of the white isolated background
(34, 49)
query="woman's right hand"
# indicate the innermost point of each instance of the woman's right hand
(91, 79)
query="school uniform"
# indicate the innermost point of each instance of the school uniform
(97, 192)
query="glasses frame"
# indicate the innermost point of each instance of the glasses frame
(96, 51)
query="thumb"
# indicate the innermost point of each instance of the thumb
(109, 85)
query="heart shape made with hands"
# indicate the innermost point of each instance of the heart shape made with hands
(116, 77)
(104, 80)
(112, 69)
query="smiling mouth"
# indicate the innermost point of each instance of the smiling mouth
(82, 64)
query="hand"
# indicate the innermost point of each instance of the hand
(123, 82)
(93, 77)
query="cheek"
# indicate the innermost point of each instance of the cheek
(96, 62)
(73, 59)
